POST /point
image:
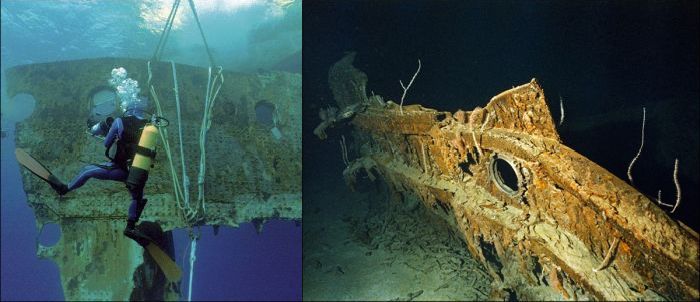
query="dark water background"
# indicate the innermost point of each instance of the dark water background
(602, 57)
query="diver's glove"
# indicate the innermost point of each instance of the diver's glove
(101, 128)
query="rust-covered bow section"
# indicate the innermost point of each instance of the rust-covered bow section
(545, 221)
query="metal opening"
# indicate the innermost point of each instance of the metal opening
(504, 174)
(104, 103)
(264, 113)
(20, 107)
(49, 234)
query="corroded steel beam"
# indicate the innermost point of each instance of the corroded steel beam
(546, 234)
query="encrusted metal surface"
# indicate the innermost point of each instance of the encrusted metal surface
(251, 174)
(545, 239)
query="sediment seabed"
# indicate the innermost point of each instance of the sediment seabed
(361, 246)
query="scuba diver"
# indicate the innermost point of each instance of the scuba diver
(124, 132)
(135, 139)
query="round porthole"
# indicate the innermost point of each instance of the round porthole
(264, 113)
(104, 103)
(505, 175)
(49, 234)
(20, 107)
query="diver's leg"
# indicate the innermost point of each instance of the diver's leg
(99, 172)
(137, 205)
(135, 210)
(57, 185)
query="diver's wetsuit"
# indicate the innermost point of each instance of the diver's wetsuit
(117, 169)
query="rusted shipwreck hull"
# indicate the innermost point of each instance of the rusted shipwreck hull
(547, 237)
(252, 174)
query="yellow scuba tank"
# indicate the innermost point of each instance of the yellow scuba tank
(143, 157)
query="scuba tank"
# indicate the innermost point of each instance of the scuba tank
(143, 157)
(138, 158)
(145, 153)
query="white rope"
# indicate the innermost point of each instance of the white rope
(193, 257)
(213, 88)
(212, 91)
(201, 32)
(629, 169)
(166, 31)
(405, 88)
(185, 212)
(209, 100)
(202, 142)
(185, 179)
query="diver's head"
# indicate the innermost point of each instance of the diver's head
(135, 106)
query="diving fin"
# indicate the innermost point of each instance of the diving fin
(32, 164)
(167, 265)
(138, 236)
(40, 170)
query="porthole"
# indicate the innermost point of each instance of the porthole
(20, 107)
(49, 234)
(504, 173)
(104, 102)
(264, 113)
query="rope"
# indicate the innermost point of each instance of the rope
(193, 258)
(209, 101)
(202, 142)
(206, 46)
(182, 261)
(184, 212)
(213, 87)
(166, 31)
(185, 179)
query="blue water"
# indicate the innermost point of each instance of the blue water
(237, 264)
